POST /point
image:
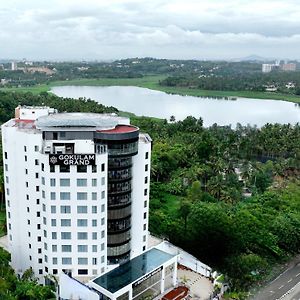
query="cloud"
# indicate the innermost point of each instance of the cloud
(98, 29)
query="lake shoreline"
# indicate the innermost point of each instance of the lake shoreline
(152, 83)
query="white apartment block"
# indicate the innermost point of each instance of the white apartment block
(77, 191)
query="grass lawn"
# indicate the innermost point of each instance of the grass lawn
(152, 82)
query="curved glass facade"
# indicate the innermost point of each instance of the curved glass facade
(120, 152)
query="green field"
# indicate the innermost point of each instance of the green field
(152, 82)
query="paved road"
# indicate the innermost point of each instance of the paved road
(285, 287)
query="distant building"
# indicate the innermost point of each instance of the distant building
(288, 67)
(14, 66)
(266, 68)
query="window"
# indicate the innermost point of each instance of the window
(94, 182)
(36, 148)
(146, 179)
(38, 214)
(40, 261)
(81, 209)
(65, 222)
(102, 234)
(42, 167)
(82, 222)
(64, 169)
(144, 248)
(25, 157)
(26, 184)
(146, 155)
(65, 209)
(46, 258)
(102, 207)
(6, 167)
(94, 209)
(82, 235)
(94, 223)
(81, 196)
(144, 238)
(43, 195)
(66, 260)
(65, 235)
(82, 261)
(145, 203)
(81, 169)
(94, 196)
(36, 162)
(102, 180)
(39, 238)
(145, 215)
(102, 221)
(52, 168)
(102, 167)
(64, 182)
(5, 155)
(81, 182)
(102, 246)
(28, 210)
(53, 196)
(82, 248)
(94, 235)
(43, 180)
(37, 201)
(94, 248)
(62, 134)
(146, 168)
(145, 227)
(29, 245)
(53, 222)
(38, 226)
(44, 220)
(94, 169)
(52, 182)
(6, 179)
(94, 261)
(26, 171)
(54, 248)
(54, 260)
(66, 248)
(102, 194)
(55, 271)
(40, 271)
(45, 233)
(82, 271)
(102, 259)
(145, 192)
(65, 196)
(53, 209)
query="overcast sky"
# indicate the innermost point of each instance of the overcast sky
(181, 29)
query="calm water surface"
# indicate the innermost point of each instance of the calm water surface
(141, 101)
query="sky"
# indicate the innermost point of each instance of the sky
(175, 29)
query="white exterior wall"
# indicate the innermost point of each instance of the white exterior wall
(20, 193)
(140, 201)
(29, 223)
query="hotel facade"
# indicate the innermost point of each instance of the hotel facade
(77, 191)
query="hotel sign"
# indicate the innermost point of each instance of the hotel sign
(72, 159)
(141, 280)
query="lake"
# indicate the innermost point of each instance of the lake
(146, 102)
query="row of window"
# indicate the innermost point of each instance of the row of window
(80, 235)
(80, 182)
(79, 168)
(80, 222)
(67, 195)
(80, 248)
(81, 209)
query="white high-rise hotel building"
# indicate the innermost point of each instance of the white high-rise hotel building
(77, 191)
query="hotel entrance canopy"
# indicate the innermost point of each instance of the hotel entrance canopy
(133, 271)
